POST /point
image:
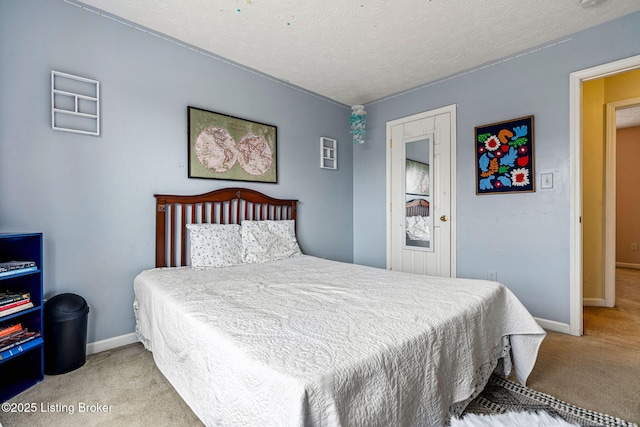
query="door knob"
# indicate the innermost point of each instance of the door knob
(444, 218)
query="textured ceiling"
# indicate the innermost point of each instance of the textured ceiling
(628, 117)
(358, 51)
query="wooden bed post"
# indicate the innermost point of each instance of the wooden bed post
(161, 215)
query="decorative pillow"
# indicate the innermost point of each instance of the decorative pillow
(268, 240)
(215, 245)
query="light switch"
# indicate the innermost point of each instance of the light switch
(546, 180)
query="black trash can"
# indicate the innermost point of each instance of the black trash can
(65, 333)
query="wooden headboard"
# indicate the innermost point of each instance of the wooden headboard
(417, 207)
(224, 206)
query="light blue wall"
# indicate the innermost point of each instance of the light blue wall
(523, 237)
(93, 196)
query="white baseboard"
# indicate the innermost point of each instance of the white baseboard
(627, 265)
(110, 343)
(593, 302)
(554, 326)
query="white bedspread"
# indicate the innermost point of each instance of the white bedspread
(418, 228)
(311, 342)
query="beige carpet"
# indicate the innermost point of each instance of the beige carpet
(122, 387)
(599, 371)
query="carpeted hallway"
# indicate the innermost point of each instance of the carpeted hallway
(122, 387)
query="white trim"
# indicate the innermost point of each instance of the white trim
(594, 302)
(111, 343)
(609, 243)
(575, 212)
(627, 265)
(454, 185)
(609, 69)
(552, 325)
(575, 209)
(610, 198)
(388, 189)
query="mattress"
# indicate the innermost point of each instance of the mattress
(306, 341)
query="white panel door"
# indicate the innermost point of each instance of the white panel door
(420, 174)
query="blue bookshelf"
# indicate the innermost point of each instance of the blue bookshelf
(22, 367)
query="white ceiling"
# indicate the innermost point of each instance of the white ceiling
(628, 117)
(358, 51)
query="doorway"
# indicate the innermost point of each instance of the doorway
(421, 193)
(627, 143)
(576, 184)
(610, 202)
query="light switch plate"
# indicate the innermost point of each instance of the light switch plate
(546, 180)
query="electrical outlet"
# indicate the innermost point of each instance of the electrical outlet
(492, 275)
(634, 246)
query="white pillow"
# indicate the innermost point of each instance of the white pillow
(268, 240)
(215, 245)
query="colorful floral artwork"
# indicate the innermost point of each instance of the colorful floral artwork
(504, 156)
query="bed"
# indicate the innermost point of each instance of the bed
(305, 341)
(418, 223)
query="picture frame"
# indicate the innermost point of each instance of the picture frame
(505, 156)
(417, 178)
(226, 147)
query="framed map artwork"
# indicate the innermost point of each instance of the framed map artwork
(504, 157)
(230, 148)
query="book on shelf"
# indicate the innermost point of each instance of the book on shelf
(18, 339)
(20, 348)
(16, 309)
(16, 265)
(9, 329)
(4, 307)
(13, 337)
(6, 273)
(10, 297)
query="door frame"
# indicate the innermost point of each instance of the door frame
(610, 198)
(575, 153)
(451, 109)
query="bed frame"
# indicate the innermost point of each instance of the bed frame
(224, 206)
(417, 207)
